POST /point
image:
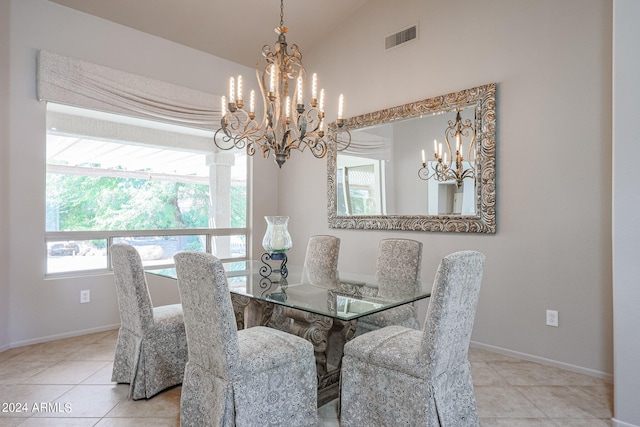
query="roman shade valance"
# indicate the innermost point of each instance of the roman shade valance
(78, 83)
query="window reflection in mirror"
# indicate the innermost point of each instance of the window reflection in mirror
(359, 186)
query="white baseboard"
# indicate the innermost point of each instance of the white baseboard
(618, 423)
(61, 336)
(544, 361)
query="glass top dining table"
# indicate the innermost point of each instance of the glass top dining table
(350, 297)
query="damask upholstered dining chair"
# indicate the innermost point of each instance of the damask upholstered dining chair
(320, 268)
(402, 376)
(255, 376)
(397, 272)
(151, 351)
(321, 261)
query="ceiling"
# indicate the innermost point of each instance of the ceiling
(235, 30)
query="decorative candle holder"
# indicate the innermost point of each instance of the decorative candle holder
(276, 241)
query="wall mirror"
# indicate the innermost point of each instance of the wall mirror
(424, 166)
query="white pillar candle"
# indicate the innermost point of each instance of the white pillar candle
(277, 242)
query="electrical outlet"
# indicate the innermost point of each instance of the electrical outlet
(85, 296)
(552, 318)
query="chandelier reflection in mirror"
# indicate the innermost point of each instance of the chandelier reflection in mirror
(287, 124)
(450, 168)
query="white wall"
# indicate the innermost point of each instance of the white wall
(552, 62)
(626, 203)
(42, 309)
(4, 173)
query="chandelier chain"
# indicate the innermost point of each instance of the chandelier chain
(282, 13)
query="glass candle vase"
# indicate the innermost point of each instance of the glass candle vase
(277, 239)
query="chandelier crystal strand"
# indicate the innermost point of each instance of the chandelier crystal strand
(452, 169)
(287, 123)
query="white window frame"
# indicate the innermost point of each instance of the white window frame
(73, 82)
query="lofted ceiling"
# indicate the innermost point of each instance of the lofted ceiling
(233, 29)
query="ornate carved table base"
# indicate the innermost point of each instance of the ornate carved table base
(328, 337)
(239, 303)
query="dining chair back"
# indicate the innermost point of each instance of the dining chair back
(398, 267)
(399, 259)
(151, 350)
(321, 261)
(402, 376)
(451, 313)
(255, 376)
(320, 268)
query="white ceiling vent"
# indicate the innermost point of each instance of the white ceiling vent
(401, 37)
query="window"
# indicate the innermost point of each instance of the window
(159, 187)
(359, 186)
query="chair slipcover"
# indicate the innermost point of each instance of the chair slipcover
(404, 377)
(151, 351)
(253, 377)
(320, 268)
(397, 272)
(321, 261)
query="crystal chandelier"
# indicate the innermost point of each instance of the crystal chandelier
(287, 123)
(443, 168)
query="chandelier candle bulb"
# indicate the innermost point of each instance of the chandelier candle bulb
(300, 92)
(340, 105)
(232, 91)
(272, 80)
(223, 101)
(424, 160)
(252, 101)
(321, 106)
(314, 86)
(239, 88)
(288, 108)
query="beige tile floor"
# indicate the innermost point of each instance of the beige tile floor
(68, 383)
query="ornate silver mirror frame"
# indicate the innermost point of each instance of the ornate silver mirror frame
(483, 98)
